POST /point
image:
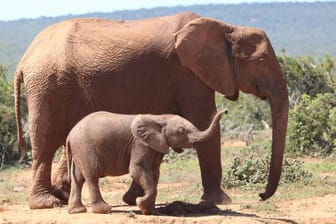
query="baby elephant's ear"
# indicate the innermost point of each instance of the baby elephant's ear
(148, 130)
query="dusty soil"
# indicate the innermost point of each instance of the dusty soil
(310, 210)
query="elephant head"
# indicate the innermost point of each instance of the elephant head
(230, 58)
(159, 132)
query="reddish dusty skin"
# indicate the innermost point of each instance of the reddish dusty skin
(162, 65)
(109, 144)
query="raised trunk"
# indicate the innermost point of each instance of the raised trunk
(201, 136)
(279, 108)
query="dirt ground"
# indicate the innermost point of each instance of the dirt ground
(310, 210)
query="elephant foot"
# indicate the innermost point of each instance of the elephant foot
(217, 197)
(62, 193)
(145, 207)
(72, 209)
(61, 187)
(101, 207)
(45, 200)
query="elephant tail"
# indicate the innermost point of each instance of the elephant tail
(18, 79)
(69, 158)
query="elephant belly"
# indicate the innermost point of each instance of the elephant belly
(116, 168)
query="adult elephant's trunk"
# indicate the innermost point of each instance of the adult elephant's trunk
(279, 108)
(202, 136)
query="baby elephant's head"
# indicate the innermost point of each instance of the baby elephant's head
(159, 132)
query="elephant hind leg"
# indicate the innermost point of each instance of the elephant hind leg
(44, 145)
(75, 197)
(40, 195)
(97, 202)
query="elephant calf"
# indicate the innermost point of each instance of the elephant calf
(108, 144)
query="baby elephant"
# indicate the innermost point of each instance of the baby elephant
(108, 144)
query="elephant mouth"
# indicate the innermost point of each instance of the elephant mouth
(234, 97)
(262, 97)
(259, 93)
(178, 150)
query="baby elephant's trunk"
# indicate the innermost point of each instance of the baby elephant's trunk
(202, 136)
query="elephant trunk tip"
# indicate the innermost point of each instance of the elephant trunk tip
(220, 113)
(224, 111)
(266, 195)
(202, 136)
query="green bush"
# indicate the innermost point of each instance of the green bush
(7, 119)
(312, 125)
(254, 171)
(293, 172)
(305, 75)
(246, 172)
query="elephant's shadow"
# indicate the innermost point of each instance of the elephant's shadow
(183, 209)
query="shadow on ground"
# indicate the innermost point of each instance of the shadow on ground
(202, 209)
(205, 208)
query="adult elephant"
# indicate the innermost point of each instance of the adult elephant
(170, 64)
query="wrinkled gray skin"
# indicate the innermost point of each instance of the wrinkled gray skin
(109, 144)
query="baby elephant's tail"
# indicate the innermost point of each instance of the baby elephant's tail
(69, 158)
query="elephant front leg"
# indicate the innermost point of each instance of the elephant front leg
(144, 178)
(211, 170)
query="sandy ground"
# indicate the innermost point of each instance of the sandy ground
(312, 210)
(309, 210)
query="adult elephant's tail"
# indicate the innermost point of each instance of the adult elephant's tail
(18, 79)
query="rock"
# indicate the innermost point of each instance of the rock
(18, 189)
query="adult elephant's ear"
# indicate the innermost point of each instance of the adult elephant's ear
(203, 48)
(148, 130)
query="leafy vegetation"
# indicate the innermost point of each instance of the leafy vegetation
(311, 129)
(305, 75)
(254, 171)
(7, 119)
(8, 148)
(311, 84)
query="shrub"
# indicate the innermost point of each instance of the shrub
(312, 126)
(305, 75)
(7, 119)
(253, 171)
(293, 172)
